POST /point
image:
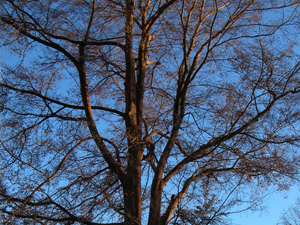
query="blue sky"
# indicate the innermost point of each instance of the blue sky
(276, 203)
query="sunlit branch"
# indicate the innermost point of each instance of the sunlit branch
(115, 166)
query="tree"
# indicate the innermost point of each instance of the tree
(292, 215)
(146, 112)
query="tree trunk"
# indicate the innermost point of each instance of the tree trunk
(132, 191)
(132, 185)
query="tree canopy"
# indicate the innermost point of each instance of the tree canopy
(146, 112)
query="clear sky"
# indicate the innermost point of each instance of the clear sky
(276, 203)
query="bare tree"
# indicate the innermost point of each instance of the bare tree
(291, 216)
(146, 112)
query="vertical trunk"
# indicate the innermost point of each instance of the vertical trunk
(132, 185)
(132, 194)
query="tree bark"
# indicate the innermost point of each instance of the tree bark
(132, 186)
